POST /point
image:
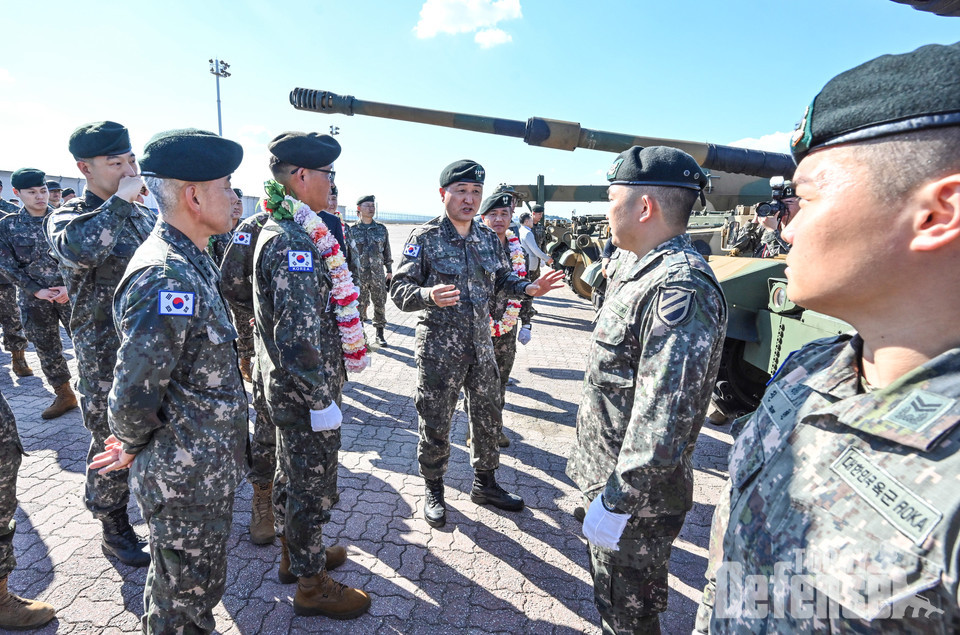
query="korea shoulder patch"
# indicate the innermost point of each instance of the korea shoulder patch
(411, 250)
(674, 305)
(175, 303)
(299, 261)
(242, 238)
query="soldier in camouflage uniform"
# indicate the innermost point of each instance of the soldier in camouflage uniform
(217, 245)
(16, 613)
(178, 410)
(372, 241)
(650, 373)
(14, 339)
(25, 258)
(94, 237)
(6, 207)
(451, 267)
(842, 504)
(300, 360)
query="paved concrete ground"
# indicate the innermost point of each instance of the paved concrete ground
(485, 572)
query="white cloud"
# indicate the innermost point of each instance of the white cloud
(5, 77)
(467, 16)
(492, 37)
(773, 142)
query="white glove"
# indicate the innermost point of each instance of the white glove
(524, 335)
(603, 528)
(329, 418)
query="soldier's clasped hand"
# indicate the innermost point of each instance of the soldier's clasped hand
(112, 458)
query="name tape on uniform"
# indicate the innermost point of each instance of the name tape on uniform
(175, 303)
(299, 261)
(411, 250)
(912, 516)
(242, 238)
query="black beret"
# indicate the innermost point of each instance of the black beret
(53, 185)
(656, 165)
(98, 139)
(68, 191)
(537, 209)
(503, 187)
(238, 192)
(462, 171)
(890, 94)
(503, 199)
(369, 198)
(305, 149)
(189, 154)
(26, 178)
(333, 189)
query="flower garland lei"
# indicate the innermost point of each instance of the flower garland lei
(509, 319)
(345, 293)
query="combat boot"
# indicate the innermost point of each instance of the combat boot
(19, 364)
(121, 542)
(245, 370)
(335, 556)
(486, 491)
(18, 614)
(503, 441)
(322, 595)
(434, 509)
(64, 402)
(261, 515)
(381, 340)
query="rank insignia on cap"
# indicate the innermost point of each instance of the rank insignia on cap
(242, 238)
(673, 306)
(801, 136)
(299, 261)
(612, 172)
(175, 303)
(411, 250)
(479, 173)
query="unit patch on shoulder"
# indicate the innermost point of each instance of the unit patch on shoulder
(299, 261)
(674, 305)
(175, 303)
(919, 409)
(411, 250)
(242, 238)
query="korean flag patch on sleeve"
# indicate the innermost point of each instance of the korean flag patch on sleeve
(175, 303)
(299, 261)
(411, 250)
(242, 238)
(674, 305)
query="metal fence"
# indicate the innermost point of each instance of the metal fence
(350, 216)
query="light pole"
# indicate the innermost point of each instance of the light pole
(219, 68)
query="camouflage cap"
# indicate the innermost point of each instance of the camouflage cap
(53, 185)
(309, 150)
(369, 198)
(656, 165)
(462, 171)
(189, 154)
(98, 139)
(496, 201)
(26, 178)
(890, 94)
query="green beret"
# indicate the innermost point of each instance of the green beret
(305, 149)
(463, 171)
(496, 201)
(53, 185)
(190, 155)
(99, 139)
(25, 178)
(888, 95)
(369, 198)
(656, 165)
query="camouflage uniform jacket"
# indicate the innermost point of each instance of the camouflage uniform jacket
(177, 400)
(217, 246)
(25, 256)
(236, 268)
(650, 373)
(301, 360)
(540, 234)
(372, 243)
(436, 254)
(94, 240)
(6, 207)
(839, 484)
(498, 301)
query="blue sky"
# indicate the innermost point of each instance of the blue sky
(707, 71)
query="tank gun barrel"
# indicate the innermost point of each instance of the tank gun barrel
(549, 133)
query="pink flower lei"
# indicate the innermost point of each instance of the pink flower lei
(517, 261)
(344, 292)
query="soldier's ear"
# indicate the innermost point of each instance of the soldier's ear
(935, 207)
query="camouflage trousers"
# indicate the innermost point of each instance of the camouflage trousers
(13, 336)
(10, 456)
(505, 350)
(241, 320)
(41, 322)
(438, 386)
(373, 287)
(630, 585)
(526, 303)
(262, 445)
(188, 566)
(304, 490)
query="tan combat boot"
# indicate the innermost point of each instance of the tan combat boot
(19, 364)
(322, 595)
(64, 402)
(18, 614)
(336, 556)
(245, 370)
(261, 517)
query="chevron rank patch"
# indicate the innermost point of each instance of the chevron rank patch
(919, 410)
(299, 261)
(242, 238)
(175, 303)
(411, 250)
(674, 305)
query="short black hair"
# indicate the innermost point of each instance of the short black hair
(525, 216)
